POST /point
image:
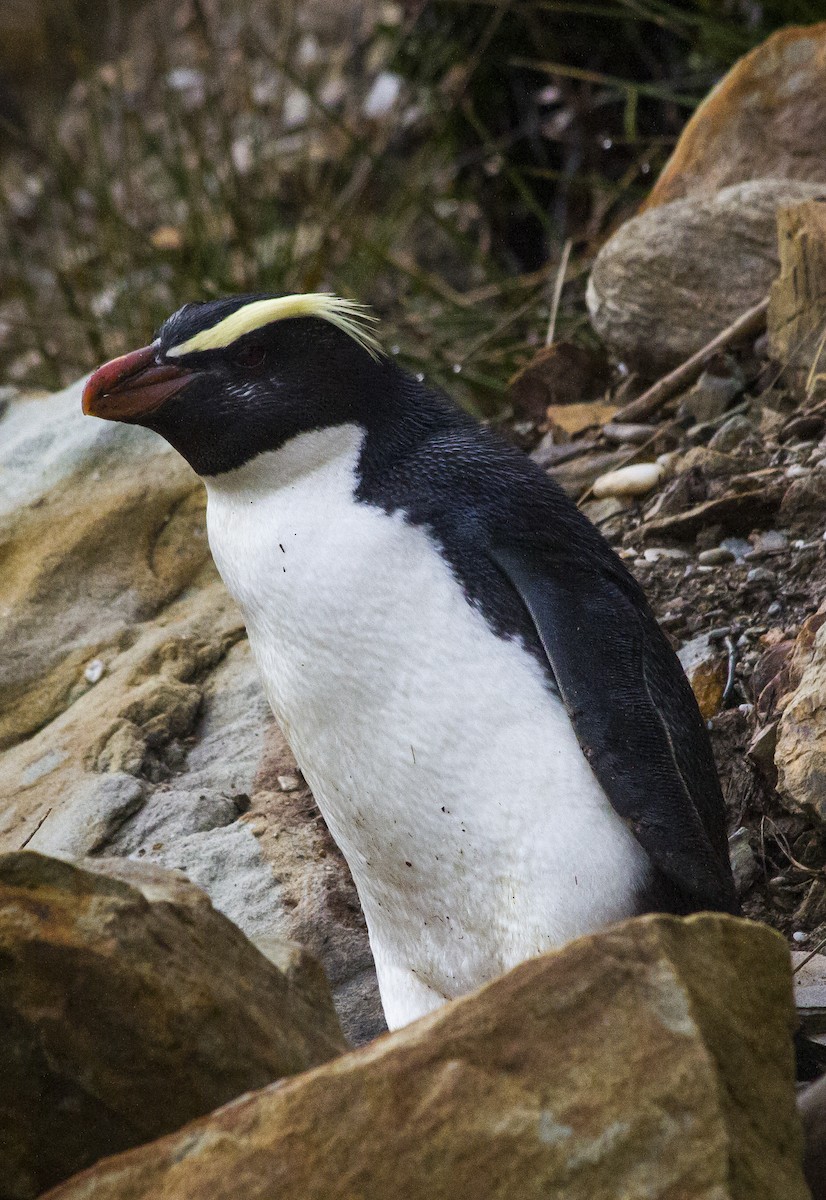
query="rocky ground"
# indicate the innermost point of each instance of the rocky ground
(135, 744)
(729, 547)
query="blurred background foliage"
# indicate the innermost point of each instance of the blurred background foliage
(433, 158)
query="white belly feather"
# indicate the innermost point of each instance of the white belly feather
(447, 772)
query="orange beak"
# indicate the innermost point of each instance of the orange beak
(130, 387)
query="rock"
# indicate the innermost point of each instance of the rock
(171, 752)
(562, 373)
(706, 668)
(624, 434)
(715, 557)
(635, 480)
(729, 436)
(709, 398)
(765, 118)
(673, 277)
(128, 1006)
(711, 463)
(743, 863)
(653, 1059)
(738, 511)
(761, 577)
(801, 747)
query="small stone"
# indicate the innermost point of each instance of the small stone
(289, 783)
(94, 670)
(799, 936)
(625, 434)
(382, 96)
(656, 553)
(635, 480)
(709, 398)
(759, 576)
(770, 542)
(743, 862)
(706, 669)
(730, 435)
(715, 557)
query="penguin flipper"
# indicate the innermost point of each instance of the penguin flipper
(632, 709)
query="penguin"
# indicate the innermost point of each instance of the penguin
(496, 730)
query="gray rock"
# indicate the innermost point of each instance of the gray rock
(100, 806)
(673, 277)
(709, 398)
(715, 557)
(730, 435)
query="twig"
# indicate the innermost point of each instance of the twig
(809, 956)
(558, 285)
(750, 322)
(36, 829)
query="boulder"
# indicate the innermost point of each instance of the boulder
(800, 756)
(128, 1006)
(132, 721)
(673, 277)
(653, 1059)
(766, 117)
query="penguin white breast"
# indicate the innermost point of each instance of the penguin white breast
(447, 770)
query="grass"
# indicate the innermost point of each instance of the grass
(240, 154)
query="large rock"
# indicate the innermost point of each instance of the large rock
(672, 278)
(800, 756)
(130, 710)
(652, 1060)
(128, 1006)
(766, 117)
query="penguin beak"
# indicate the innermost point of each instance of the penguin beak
(132, 386)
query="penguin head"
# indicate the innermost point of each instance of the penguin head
(227, 379)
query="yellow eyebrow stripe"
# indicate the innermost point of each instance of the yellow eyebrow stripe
(348, 315)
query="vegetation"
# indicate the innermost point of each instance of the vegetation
(434, 159)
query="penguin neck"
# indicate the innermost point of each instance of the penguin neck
(335, 449)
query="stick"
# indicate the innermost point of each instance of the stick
(750, 322)
(560, 280)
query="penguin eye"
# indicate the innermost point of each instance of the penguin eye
(250, 355)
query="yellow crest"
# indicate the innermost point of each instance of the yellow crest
(348, 315)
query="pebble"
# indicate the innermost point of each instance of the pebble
(623, 434)
(94, 670)
(715, 557)
(743, 862)
(730, 435)
(634, 480)
(655, 553)
(800, 935)
(289, 783)
(770, 542)
(758, 575)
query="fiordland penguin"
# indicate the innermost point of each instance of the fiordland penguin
(499, 736)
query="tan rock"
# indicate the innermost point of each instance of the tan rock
(675, 276)
(705, 666)
(128, 1006)
(766, 117)
(130, 708)
(800, 756)
(652, 1060)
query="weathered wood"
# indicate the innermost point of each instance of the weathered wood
(797, 302)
